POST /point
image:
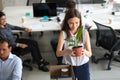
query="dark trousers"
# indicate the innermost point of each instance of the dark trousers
(33, 48)
(54, 43)
(82, 72)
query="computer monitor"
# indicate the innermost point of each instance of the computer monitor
(60, 3)
(44, 9)
(50, 1)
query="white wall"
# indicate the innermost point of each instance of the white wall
(14, 2)
(4, 3)
(1, 6)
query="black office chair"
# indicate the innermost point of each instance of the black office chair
(54, 43)
(106, 38)
(26, 62)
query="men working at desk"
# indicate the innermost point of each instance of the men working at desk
(10, 64)
(22, 45)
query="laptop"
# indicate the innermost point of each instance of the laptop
(44, 9)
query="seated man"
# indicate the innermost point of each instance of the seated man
(10, 64)
(22, 45)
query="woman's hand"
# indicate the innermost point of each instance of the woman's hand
(85, 52)
(71, 52)
(22, 45)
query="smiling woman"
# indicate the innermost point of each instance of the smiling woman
(71, 24)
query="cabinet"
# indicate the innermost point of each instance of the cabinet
(13, 2)
(1, 6)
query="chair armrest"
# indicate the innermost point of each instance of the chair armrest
(117, 34)
(116, 46)
(16, 35)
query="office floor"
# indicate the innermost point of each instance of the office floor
(97, 71)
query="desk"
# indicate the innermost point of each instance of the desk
(96, 12)
(14, 15)
(100, 14)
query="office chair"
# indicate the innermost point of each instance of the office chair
(107, 39)
(54, 43)
(26, 62)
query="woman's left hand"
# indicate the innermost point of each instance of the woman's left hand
(85, 52)
(73, 54)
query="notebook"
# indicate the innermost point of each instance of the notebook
(44, 9)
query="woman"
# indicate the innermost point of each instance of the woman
(72, 22)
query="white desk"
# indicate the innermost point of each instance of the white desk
(14, 15)
(97, 13)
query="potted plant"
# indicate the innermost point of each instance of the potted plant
(74, 42)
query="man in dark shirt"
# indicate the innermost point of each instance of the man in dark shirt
(22, 45)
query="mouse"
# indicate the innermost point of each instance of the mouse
(87, 11)
(49, 19)
(58, 19)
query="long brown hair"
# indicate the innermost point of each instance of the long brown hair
(70, 14)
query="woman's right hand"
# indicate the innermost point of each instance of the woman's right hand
(21, 45)
(71, 52)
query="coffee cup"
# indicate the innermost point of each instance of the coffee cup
(110, 20)
(23, 19)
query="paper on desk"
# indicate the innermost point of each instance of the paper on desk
(42, 26)
(33, 25)
(50, 26)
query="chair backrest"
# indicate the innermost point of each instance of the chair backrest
(50, 1)
(105, 36)
(30, 2)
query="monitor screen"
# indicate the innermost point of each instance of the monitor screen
(44, 9)
(60, 3)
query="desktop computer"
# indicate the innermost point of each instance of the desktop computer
(44, 9)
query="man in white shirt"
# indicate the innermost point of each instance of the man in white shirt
(10, 64)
